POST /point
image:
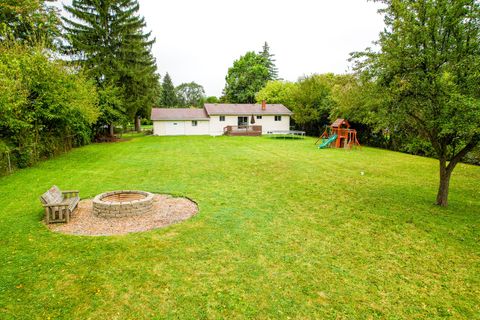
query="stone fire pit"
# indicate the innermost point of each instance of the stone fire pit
(166, 210)
(123, 203)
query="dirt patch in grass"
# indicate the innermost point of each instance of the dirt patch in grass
(167, 210)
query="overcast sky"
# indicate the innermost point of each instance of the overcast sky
(199, 40)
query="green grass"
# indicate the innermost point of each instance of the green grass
(284, 231)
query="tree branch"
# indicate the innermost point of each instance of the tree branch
(462, 153)
(422, 128)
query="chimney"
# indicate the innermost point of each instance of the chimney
(264, 105)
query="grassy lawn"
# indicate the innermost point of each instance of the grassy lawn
(284, 230)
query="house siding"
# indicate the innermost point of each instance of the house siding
(216, 126)
(208, 118)
(267, 122)
(159, 128)
(164, 127)
(202, 128)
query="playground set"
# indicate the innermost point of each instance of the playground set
(338, 135)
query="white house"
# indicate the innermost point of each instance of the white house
(216, 119)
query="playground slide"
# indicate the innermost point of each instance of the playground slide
(327, 142)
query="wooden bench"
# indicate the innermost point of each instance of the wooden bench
(59, 205)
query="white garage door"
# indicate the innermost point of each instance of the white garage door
(175, 128)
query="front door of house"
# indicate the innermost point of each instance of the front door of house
(242, 121)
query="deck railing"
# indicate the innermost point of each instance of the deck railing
(242, 130)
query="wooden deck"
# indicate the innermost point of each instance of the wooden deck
(242, 130)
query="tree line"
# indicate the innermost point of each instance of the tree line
(419, 92)
(244, 79)
(249, 74)
(66, 80)
(189, 94)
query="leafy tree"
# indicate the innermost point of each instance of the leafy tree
(190, 94)
(245, 78)
(106, 37)
(356, 101)
(428, 71)
(45, 107)
(277, 92)
(310, 98)
(269, 62)
(312, 102)
(31, 22)
(211, 99)
(169, 96)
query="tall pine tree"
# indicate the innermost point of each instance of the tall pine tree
(169, 95)
(269, 61)
(106, 37)
(139, 80)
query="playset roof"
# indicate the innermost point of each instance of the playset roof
(339, 122)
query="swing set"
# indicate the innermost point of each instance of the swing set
(338, 135)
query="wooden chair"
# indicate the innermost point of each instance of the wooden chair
(59, 205)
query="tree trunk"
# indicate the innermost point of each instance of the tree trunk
(445, 174)
(111, 129)
(138, 127)
(446, 170)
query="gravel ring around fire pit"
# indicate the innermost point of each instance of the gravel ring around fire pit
(167, 210)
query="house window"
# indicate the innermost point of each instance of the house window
(242, 121)
(278, 118)
(194, 123)
(222, 118)
(259, 117)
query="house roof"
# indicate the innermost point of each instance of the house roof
(245, 109)
(178, 114)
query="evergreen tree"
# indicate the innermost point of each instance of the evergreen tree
(269, 61)
(169, 96)
(139, 81)
(107, 38)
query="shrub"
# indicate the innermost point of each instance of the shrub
(45, 107)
